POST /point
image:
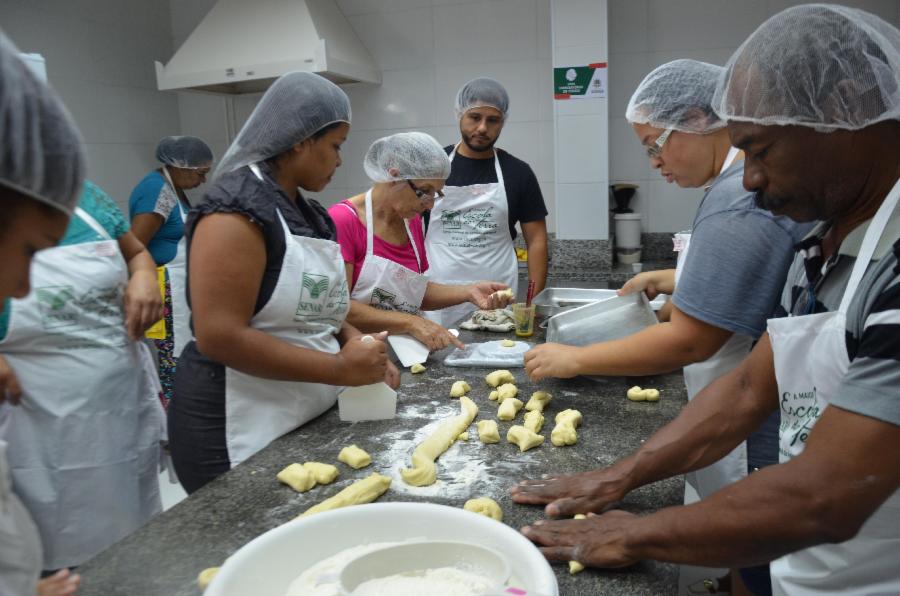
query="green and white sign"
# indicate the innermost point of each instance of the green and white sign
(580, 82)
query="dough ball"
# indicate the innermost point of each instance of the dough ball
(524, 438)
(564, 432)
(323, 473)
(507, 293)
(498, 377)
(459, 389)
(508, 343)
(297, 477)
(635, 394)
(206, 576)
(651, 394)
(534, 421)
(509, 408)
(538, 401)
(488, 431)
(485, 506)
(463, 436)
(416, 368)
(494, 396)
(354, 457)
(571, 417)
(506, 391)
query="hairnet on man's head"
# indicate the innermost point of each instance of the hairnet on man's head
(296, 106)
(415, 155)
(823, 66)
(184, 152)
(479, 93)
(677, 95)
(41, 154)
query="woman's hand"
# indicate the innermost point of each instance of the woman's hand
(9, 383)
(487, 295)
(431, 334)
(61, 583)
(653, 283)
(363, 361)
(143, 303)
(392, 376)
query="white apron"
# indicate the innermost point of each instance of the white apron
(384, 284)
(84, 386)
(307, 308)
(810, 354)
(468, 240)
(20, 543)
(733, 466)
(177, 270)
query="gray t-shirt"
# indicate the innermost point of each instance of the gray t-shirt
(738, 259)
(871, 386)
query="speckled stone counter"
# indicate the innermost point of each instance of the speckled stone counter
(164, 557)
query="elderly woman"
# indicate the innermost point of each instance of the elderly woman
(731, 266)
(41, 172)
(382, 242)
(268, 289)
(158, 208)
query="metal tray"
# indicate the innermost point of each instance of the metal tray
(605, 320)
(553, 301)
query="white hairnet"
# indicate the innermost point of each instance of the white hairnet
(818, 65)
(482, 92)
(296, 106)
(677, 95)
(416, 155)
(41, 153)
(184, 152)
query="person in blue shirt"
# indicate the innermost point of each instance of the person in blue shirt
(158, 208)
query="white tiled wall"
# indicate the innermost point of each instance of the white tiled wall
(100, 57)
(646, 33)
(426, 50)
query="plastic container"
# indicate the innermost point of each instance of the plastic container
(628, 256)
(628, 230)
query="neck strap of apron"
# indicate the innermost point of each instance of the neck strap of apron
(729, 159)
(168, 178)
(869, 243)
(93, 223)
(496, 164)
(370, 232)
(287, 231)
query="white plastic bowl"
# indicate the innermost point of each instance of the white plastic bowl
(268, 564)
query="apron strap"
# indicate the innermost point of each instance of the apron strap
(496, 165)
(869, 243)
(175, 190)
(729, 159)
(414, 247)
(93, 223)
(370, 231)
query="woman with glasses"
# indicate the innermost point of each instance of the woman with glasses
(158, 208)
(382, 242)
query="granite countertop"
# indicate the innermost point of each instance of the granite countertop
(165, 556)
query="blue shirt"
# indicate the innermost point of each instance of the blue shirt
(738, 260)
(154, 195)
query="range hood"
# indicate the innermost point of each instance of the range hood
(241, 46)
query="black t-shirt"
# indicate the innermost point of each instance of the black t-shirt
(523, 193)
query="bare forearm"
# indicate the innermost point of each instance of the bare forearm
(441, 296)
(369, 319)
(141, 263)
(537, 262)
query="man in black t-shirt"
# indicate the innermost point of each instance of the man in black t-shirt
(471, 230)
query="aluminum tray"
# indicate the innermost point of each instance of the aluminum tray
(605, 320)
(552, 301)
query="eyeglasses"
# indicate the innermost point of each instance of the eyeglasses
(655, 150)
(423, 195)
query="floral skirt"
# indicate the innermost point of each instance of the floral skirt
(165, 350)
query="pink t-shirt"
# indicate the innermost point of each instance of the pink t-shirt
(351, 235)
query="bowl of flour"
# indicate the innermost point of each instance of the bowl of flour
(306, 556)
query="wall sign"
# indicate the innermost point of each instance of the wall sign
(580, 82)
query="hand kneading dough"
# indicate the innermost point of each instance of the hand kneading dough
(575, 566)
(498, 377)
(508, 343)
(509, 408)
(538, 401)
(362, 491)
(206, 576)
(534, 421)
(488, 431)
(508, 293)
(459, 389)
(494, 396)
(524, 438)
(485, 506)
(506, 391)
(297, 477)
(638, 394)
(323, 473)
(416, 368)
(354, 457)
(424, 471)
(564, 431)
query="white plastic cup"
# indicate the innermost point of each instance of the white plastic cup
(637, 267)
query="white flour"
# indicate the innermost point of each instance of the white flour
(322, 578)
(443, 581)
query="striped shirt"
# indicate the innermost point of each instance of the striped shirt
(871, 386)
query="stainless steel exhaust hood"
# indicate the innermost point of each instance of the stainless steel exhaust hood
(241, 46)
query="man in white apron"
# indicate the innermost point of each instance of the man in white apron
(471, 229)
(831, 510)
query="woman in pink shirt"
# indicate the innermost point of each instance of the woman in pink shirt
(382, 242)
